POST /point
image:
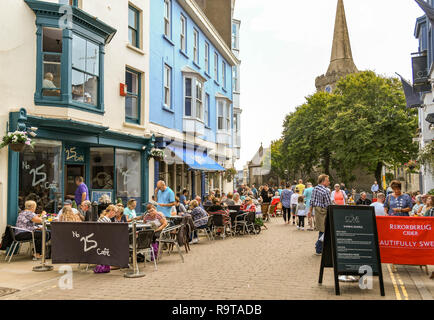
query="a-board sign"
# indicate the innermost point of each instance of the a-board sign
(90, 242)
(351, 243)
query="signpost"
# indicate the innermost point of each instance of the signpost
(351, 244)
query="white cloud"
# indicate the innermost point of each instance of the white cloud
(285, 44)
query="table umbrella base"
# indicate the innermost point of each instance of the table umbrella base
(42, 268)
(132, 274)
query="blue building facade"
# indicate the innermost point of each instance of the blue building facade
(190, 83)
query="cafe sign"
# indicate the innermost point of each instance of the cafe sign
(74, 154)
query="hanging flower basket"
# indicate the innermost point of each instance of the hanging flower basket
(17, 141)
(157, 154)
(17, 147)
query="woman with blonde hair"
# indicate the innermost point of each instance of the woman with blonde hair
(69, 216)
(108, 213)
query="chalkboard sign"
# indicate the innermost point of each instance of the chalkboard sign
(351, 243)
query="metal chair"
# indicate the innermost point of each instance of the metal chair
(250, 222)
(11, 252)
(169, 236)
(209, 227)
(240, 224)
(218, 222)
(144, 244)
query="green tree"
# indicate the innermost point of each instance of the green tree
(371, 125)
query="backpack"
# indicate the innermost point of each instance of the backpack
(6, 239)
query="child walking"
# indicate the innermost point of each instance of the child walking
(301, 212)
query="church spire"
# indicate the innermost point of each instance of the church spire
(342, 58)
(341, 61)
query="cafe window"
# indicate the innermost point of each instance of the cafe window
(128, 176)
(40, 176)
(102, 168)
(52, 61)
(85, 71)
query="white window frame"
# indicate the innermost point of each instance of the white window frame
(206, 57)
(216, 66)
(226, 116)
(183, 35)
(167, 83)
(206, 109)
(194, 98)
(167, 14)
(224, 74)
(196, 46)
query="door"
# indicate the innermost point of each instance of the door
(71, 172)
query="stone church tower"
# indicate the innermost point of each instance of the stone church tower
(341, 61)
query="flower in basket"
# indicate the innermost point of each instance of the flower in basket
(156, 153)
(17, 138)
(412, 165)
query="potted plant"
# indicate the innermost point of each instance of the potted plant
(426, 156)
(412, 166)
(17, 141)
(157, 154)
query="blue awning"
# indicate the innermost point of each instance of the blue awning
(196, 160)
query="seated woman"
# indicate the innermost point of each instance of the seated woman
(109, 213)
(208, 201)
(68, 215)
(217, 208)
(156, 219)
(26, 222)
(275, 201)
(119, 217)
(248, 205)
(199, 216)
(130, 211)
(237, 200)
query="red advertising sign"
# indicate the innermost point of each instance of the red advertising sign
(406, 240)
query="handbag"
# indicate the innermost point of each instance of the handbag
(101, 269)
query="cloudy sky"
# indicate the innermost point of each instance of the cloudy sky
(286, 44)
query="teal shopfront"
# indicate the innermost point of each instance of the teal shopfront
(113, 164)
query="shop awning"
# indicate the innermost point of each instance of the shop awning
(196, 160)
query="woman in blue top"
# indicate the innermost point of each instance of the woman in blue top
(397, 203)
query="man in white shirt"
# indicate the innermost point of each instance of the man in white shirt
(379, 205)
(67, 203)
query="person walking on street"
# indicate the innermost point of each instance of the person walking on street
(294, 203)
(307, 194)
(338, 197)
(285, 199)
(301, 213)
(397, 203)
(319, 203)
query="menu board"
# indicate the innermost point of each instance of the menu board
(351, 243)
(354, 239)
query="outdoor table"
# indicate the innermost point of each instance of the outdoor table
(140, 226)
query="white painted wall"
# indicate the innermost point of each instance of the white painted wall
(18, 71)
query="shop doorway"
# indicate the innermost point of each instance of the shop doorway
(72, 171)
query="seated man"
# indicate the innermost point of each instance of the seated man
(67, 203)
